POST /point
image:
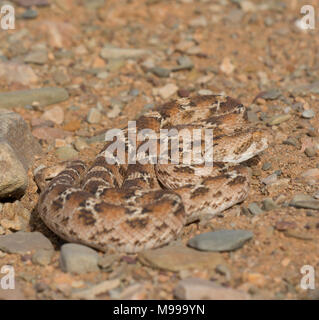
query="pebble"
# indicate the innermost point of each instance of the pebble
(269, 204)
(252, 116)
(284, 225)
(80, 144)
(185, 63)
(98, 289)
(60, 77)
(205, 92)
(56, 115)
(308, 114)
(37, 57)
(42, 257)
(221, 240)
(76, 258)
(29, 14)
(298, 235)
(166, 91)
(23, 242)
(291, 141)
(310, 152)
(198, 22)
(199, 289)
(106, 261)
(66, 153)
(273, 94)
(47, 133)
(266, 166)
(43, 96)
(109, 52)
(279, 119)
(310, 176)
(177, 257)
(160, 72)
(94, 116)
(304, 201)
(226, 66)
(12, 72)
(102, 75)
(270, 179)
(254, 208)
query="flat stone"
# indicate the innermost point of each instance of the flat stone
(160, 72)
(175, 258)
(24, 242)
(37, 57)
(311, 152)
(279, 119)
(199, 289)
(310, 176)
(272, 178)
(271, 94)
(94, 116)
(221, 240)
(254, 208)
(304, 201)
(42, 257)
(109, 52)
(308, 114)
(166, 91)
(43, 96)
(269, 204)
(107, 260)
(76, 258)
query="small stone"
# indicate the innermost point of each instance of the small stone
(42, 257)
(66, 153)
(205, 92)
(109, 52)
(185, 63)
(252, 116)
(310, 152)
(273, 94)
(254, 208)
(270, 179)
(308, 114)
(298, 235)
(284, 225)
(304, 201)
(291, 141)
(166, 91)
(279, 119)
(23, 242)
(102, 75)
(106, 261)
(37, 57)
(221, 240)
(183, 93)
(176, 257)
(161, 72)
(56, 115)
(310, 176)
(94, 116)
(199, 289)
(269, 204)
(76, 258)
(198, 22)
(29, 14)
(117, 106)
(266, 166)
(80, 144)
(227, 67)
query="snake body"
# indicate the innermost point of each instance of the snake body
(132, 207)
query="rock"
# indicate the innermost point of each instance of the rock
(80, 144)
(117, 106)
(43, 96)
(13, 176)
(254, 208)
(102, 75)
(304, 89)
(160, 72)
(205, 92)
(66, 153)
(285, 225)
(94, 4)
(308, 114)
(310, 176)
(24, 242)
(92, 292)
(42, 257)
(30, 3)
(273, 94)
(176, 257)
(221, 240)
(185, 63)
(304, 201)
(310, 152)
(199, 289)
(226, 66)
(166, 91)
(279, 119)
(292, 141)
(94, 116)
(37, 57)
(76, 258)
(109, 52)
(56, 115)
(198, 22)
(107, 260)
(248, 6)
(47, 133)
(252, 116)
(270, 179)
(15, 216)
(266, 166)
(29, 14)
(269, 204)
(12, 72)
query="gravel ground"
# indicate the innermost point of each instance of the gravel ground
(77, 68)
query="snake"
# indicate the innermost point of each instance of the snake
(134, 206)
